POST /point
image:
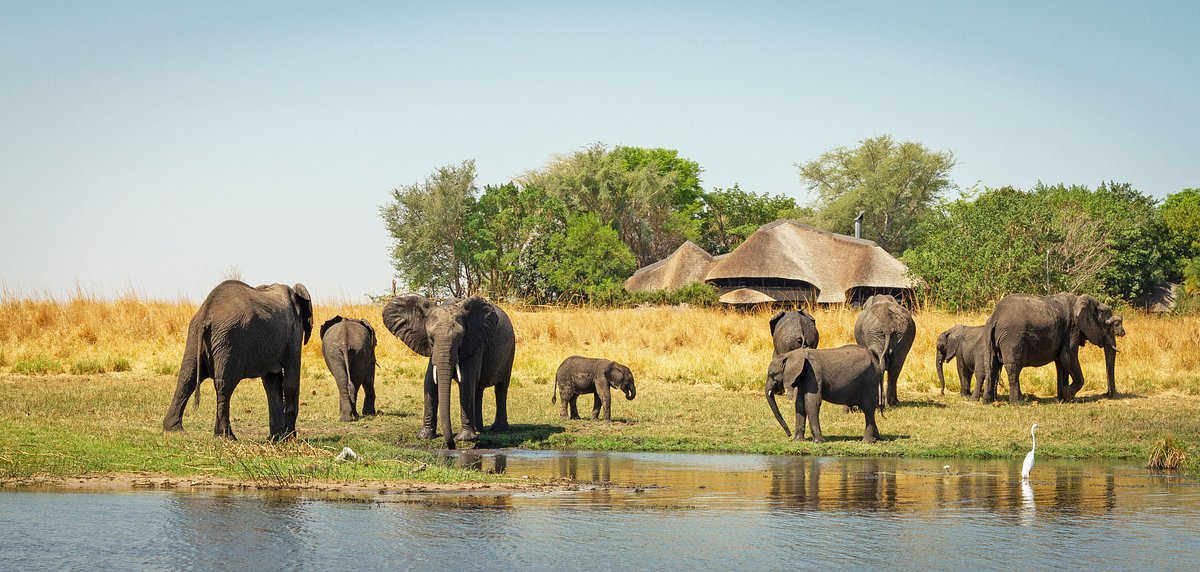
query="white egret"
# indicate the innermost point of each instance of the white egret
(1028, 465)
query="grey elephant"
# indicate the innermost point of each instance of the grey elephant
(348, 346)
(579, 375)
(967, 345)
(887, 328)
(850, 375)
(792, 330)
(470, 340)
(1031, 331)
(241, 331)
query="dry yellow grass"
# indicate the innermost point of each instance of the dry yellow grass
(660, 344)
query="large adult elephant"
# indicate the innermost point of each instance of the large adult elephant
(1031, 331)
(966, 343)
(887, 328)
(793, 330)
(470, 340)
(849, 375)
(241, 331)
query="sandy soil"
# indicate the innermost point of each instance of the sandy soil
(128, 483)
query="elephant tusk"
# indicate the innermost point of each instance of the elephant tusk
(435, 377)
(458, 372)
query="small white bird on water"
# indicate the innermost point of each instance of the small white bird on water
(1028, 465)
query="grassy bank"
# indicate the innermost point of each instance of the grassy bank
(84, 384)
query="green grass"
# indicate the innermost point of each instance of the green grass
(36, 365)
(56, 426)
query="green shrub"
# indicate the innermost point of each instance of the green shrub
(36, 365)
(87, 366)
(164, 367)
(118, 364)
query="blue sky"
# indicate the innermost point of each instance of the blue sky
(148, 147)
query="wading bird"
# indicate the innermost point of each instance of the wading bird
(1028, 465)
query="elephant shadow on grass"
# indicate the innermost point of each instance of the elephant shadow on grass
(517, 434)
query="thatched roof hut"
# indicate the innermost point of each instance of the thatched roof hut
(689, 263)
(784, 261)
(791, 261)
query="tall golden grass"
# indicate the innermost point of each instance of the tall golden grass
(669, 345)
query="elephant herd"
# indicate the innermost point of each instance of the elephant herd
(242, 332)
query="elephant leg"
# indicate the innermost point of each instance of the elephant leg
(871, 432)
(368, 386)
(893, 377)
(596, 405)
(346, 396)
(1076, 374)
(574, 409)
(477, 410)
(1060, 391)
(964, 379)
(428, 428)
(812, 404)
(224, 391)
(186, 386)
(603, 400)
(564, 402)
(1014, 382)
(801, 419)
(466, 403)
(354, 399)
(273, 386)
(501, 422)
(291, 396)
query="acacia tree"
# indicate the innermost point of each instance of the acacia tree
(426, 222)
(896, 185)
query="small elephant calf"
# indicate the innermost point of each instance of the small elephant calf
(578, 375)
(349, 348)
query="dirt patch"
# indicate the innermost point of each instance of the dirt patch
(127, 483)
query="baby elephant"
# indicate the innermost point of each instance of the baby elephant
(849, 375)
(349, 348)
(578, 375)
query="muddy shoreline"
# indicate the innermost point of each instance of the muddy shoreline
(140, 483)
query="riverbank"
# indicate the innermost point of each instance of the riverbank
(699, 376)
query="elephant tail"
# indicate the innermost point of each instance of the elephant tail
(201, 353)
(554, 396)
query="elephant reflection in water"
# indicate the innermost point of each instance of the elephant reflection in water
(597, 469)
(473, 461)
(813, 483)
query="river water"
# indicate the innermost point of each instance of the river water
(655, 511)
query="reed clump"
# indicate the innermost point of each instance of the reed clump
(1168, 454)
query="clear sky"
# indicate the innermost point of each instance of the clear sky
(148, 147)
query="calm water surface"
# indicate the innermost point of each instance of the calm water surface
(661, 511)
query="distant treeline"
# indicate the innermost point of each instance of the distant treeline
(575, 229)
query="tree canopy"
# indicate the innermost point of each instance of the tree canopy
(896, 185)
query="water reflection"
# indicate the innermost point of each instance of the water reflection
(674, 512)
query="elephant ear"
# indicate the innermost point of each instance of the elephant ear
(329, 324)
(1089, 321)
(805, 313)
(405, 317)
(775, 320)
(370, 331)
(795, 369)
(302, 303)
(480, 321)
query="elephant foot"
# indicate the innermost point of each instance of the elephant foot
(281, 437)
(226, 435)
(818, 439)
(868, 439)
(467, 435)
(367, 411)
(426, 433)
(498, 426)
(348, 417)
(173, 427)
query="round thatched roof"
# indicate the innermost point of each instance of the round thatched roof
(689, 263)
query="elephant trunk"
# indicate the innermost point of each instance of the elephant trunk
(775, 409)
(630, 392)
(941, 358)
(1110, 367)
(444, 367)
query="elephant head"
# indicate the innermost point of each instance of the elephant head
(1098, 325)
(948, 343)
(448, 333)
(302, 305)
(619, 377)
(784, 375)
